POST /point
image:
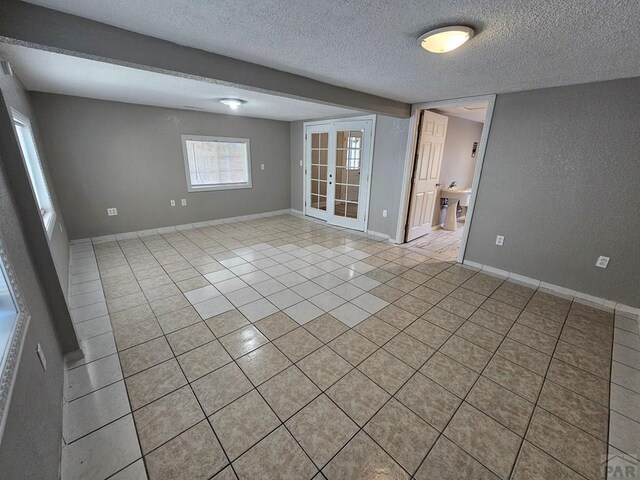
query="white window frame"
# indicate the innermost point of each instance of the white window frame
(37, 178)
(221, 186)
(12, 340)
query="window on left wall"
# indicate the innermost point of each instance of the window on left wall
(34, 168)
(8, 314)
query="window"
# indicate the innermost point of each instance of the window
(34, 167)
(216, 163)
(14, 321)
(8, 315)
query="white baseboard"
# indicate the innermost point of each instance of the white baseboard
(559, 291)
(179, 228)
(380, 235)
(189, 226)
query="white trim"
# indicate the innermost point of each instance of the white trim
(218, 186)
(381, 235)
(9, 366)
(49, 217)
(338, 120)
(80, 241)
(526, 281)
(242, 218)
(559, 291)
(495, 272)
(186, 226)
(410, 160)
(471, 264)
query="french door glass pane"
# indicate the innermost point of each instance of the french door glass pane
(348, 156)
(319, 162)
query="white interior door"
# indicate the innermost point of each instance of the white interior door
(424, 190)
(338, 190)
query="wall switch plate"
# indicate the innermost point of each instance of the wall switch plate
(172, 203)
(183, 202)
(602, 262)
(500, 240)
(262, 166)
(112, 211)
(384, 213)
(41, 356)
(300, 162)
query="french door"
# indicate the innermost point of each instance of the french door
(337, 170)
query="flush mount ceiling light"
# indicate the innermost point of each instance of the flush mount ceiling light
(446, 39)
(232, 103)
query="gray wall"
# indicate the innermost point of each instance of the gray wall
(30, 445)
(386, 179)
(296, 132)
(386, 176)
(560, 181)
(108, 154)
(31, 441)
(16, 97)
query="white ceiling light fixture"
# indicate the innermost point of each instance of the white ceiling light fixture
(233, 103)
(445, 39)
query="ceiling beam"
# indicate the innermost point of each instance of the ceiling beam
(38, 27)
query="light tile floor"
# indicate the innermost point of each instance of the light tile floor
(441, 244)
(284, 348)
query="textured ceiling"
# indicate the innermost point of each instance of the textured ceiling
(55, 73)
(372, 46)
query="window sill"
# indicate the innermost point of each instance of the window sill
(49, 222)
(213, 188)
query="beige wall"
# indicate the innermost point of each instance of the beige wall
(457, 163)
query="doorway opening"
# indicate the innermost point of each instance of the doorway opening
(446, 160)
(338, 156)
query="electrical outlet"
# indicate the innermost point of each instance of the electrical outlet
(112, 211)
(172, 203)
(183, 202)
(384, 213)
(41, 356)
(499, 240)
(300, 162)
(602, 262)
(262, 166)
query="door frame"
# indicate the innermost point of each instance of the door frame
(305, 159)
(412, 145)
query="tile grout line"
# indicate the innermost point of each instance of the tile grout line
(352, 367)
